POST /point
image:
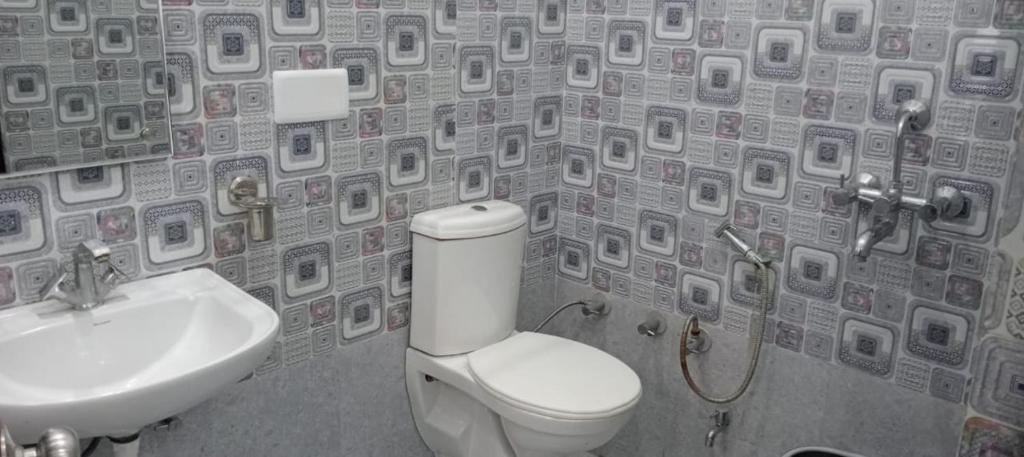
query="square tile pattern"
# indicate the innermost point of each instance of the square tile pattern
(451, 102)
(705, 112)
(627, 131)
(82, 82)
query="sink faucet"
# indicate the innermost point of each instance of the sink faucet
(887, 204)
(721, 420)
(82, 287)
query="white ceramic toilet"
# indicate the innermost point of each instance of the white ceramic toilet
(477, 387)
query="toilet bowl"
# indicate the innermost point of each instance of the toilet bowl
(531, 395)
(476, 387)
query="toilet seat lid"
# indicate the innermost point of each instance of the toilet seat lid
(555, 377)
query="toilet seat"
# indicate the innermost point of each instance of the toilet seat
(555, 377)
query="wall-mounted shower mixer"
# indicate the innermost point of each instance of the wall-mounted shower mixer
(886, 203)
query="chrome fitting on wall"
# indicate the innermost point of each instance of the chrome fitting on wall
(244, 193)
(55, 442)
(653, 326)
(886, 203)
(592, 308)
(697, 340)
(720, 421)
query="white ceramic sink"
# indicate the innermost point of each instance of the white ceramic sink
(157, 348)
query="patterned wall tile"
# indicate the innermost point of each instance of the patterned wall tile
(451, 103)
(628, 131)
(769, 105)
(175, 233)
(86, 87)
(24, 221)
(999, 380)
(982, 436)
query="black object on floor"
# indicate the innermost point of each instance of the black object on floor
(815, 454)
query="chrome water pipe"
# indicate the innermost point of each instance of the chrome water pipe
(55, 442)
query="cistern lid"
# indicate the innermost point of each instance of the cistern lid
(472, 220)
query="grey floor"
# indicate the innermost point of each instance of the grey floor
(350, 402)
(794, 401)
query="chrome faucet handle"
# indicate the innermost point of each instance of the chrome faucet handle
(54, 288)
(949, 201)
(843, 196)
(100, 255)
(98, 251)
(928, 212)
(113, 276)
(849, 189)
(721, 417)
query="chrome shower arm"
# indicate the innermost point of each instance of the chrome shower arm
(912, 116)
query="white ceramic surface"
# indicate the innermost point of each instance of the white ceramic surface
(157, 348)
(310, 95)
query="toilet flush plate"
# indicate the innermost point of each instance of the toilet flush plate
(310, 95)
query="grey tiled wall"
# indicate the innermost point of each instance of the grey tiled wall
(675, 117)
(83, 82)
(680, 115)
(451, 102)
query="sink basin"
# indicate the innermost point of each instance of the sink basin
(157, 348)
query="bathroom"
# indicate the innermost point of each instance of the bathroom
(866, 298)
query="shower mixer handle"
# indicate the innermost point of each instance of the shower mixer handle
(843, 196)
(864, 187)
(949, 202)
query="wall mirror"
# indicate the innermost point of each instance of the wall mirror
(83, 83)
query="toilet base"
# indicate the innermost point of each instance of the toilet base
(453, 421)
(543, 444)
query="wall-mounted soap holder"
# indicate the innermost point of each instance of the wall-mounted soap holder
(244, 193)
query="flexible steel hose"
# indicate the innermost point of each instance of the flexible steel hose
(591, 307)
(556, 312)
(760, 314)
